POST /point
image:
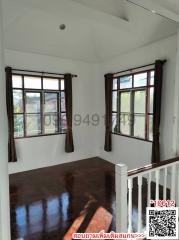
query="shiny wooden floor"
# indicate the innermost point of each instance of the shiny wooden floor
(45, 202)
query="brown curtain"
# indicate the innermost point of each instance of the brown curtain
(108, 114)
(69, 146)
(157, 110)
(12, 157)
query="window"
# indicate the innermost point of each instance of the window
(132, 105)
(39, 105)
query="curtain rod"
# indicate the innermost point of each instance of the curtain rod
(50, 73)
(131, 69)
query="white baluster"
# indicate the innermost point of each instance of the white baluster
(130, 186)
(139, 204)
(157, 177)
(173, 185)
(121, 197)
(149, 190)
(165, 184)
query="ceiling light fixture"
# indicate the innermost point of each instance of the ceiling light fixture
(62, 26)
(153, 11)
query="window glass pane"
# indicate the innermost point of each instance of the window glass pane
(125, 102)
(151, 99)
(125, 124)
(63, 123)
(33, 124)
(62, 84)
(16, 81)
(125, 82)
(114, 101)
(139, 126)
(114, 123)
(32, 82)
(18, 101)
(50, 102)
(140, 102)
(151, 128)
(50, 83)
(63, 109)
(152, 78)
(140, 79)
(18, 125)
(115, 84)
(50, 123)
(32, 102)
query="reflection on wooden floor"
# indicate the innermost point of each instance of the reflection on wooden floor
(101, 220)
(46, 203)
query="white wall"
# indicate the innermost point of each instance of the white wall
(133, 152)
(4, 178)
(176, 103)
(49, 150)
(88, 98)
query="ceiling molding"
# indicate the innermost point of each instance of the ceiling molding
(152, 6)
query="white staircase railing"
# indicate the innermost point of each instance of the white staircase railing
(160, 180)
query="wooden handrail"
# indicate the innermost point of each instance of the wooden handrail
(152, 166)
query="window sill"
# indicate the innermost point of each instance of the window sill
(137, 138)
(41, 135)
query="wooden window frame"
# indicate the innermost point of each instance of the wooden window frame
(132, 114)
(42, 92)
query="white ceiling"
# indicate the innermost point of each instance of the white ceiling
(112, 7)
(96, 30)
(172, 5)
